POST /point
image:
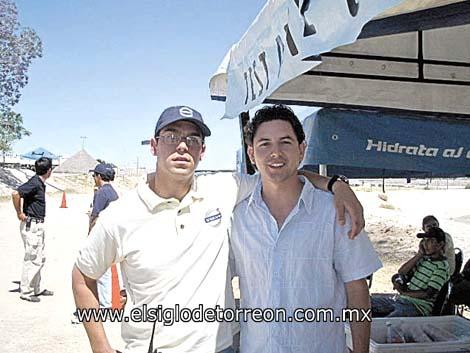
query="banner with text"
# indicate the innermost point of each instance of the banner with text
(285, 33)
(388, 142)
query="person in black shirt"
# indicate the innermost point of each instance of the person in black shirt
(30, 204)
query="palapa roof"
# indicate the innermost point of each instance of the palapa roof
(80, 162)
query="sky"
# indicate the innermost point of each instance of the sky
(109, 68)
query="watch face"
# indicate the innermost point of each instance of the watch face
(343, 178)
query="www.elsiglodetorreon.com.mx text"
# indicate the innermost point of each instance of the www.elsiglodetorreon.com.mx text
(169, 316)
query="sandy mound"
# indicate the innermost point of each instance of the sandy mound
(10, 179)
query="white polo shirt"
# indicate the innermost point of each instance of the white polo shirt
(305, 264)
(171, 253)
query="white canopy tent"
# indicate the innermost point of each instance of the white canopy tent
(414, 57)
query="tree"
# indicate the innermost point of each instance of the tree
(18, 47)
(11, 129)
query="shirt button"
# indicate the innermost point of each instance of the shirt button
(182, 226)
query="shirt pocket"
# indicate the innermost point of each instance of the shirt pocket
(310, 241)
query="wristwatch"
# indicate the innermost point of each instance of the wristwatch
(334, 179)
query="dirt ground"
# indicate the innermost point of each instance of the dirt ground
(46, 326)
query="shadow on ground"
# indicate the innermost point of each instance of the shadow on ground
(17, 289)
(7, 177)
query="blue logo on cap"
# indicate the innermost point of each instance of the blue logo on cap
(186, 112)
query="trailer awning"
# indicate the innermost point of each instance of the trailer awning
(412, 58)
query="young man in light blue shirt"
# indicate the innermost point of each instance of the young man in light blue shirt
(290, 254)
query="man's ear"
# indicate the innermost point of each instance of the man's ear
(203, 151)
(153, 146)
(251, 154)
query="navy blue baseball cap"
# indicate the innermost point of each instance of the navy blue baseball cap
(173, 114)
(105, 170)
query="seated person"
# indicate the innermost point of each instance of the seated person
(428, 271)
(431, 221)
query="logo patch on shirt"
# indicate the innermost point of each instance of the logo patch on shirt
(213, 217)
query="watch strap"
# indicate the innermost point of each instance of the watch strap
(333, 180)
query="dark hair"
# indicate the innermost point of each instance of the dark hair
(429, 218)
(274, 112)
(109, 177)
(42, 165)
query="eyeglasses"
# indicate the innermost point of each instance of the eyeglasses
(174, 140)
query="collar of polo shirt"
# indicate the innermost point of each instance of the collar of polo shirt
(154, 202)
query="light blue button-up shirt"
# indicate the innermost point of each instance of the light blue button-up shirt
(305, 264)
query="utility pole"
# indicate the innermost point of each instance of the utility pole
(83, 141)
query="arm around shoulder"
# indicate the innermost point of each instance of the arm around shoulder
(345, 201)
(246, 184)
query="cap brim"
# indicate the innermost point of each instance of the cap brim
(205, 130)
(424, 235)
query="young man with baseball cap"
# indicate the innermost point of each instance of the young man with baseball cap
(103, 175)
(449, 251)
(170, 237)
(428, 271)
